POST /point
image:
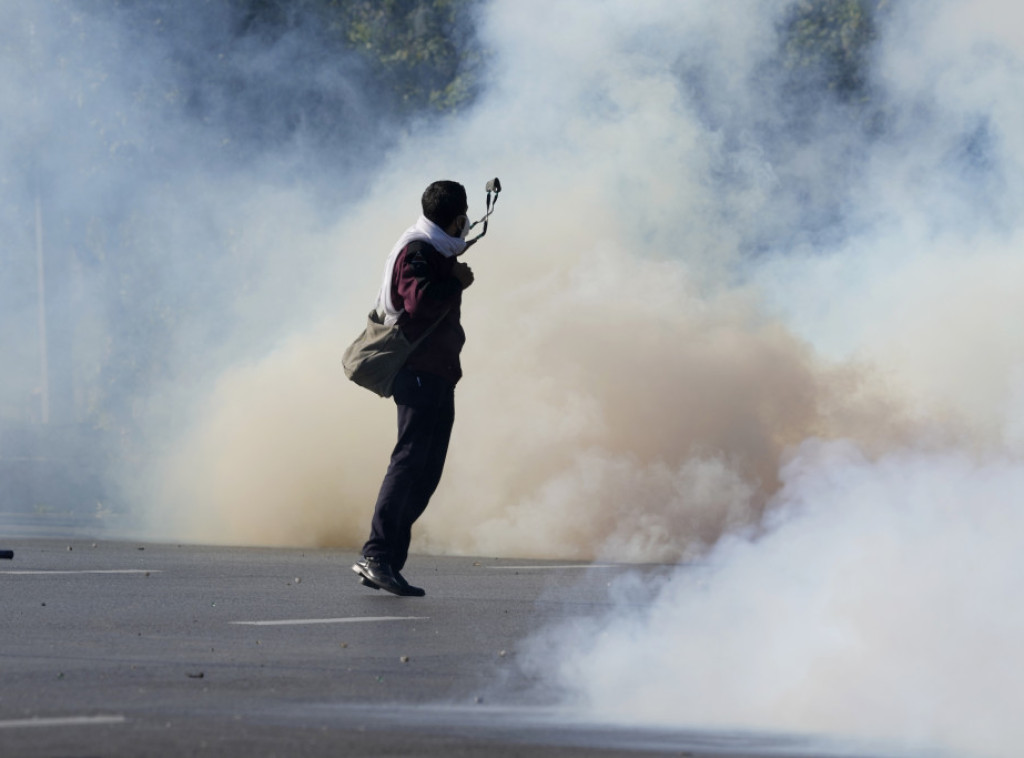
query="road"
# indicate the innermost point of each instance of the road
(113, 648)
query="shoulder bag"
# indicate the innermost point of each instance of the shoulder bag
(376, 356)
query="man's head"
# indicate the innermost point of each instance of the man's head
(445, 204)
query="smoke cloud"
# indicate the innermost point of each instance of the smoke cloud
(626, 393)
(873, 596)
(168, 209)
(877, 604)
(731, 310)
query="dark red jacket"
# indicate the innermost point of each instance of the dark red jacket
(423, 286)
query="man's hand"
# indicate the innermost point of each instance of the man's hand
(463, 273)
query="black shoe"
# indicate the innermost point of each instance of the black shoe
(377, 574)
(408, 589)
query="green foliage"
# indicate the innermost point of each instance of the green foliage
(423, 50)
(831, 39)
(421, 54)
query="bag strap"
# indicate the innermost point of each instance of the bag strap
(430, 328)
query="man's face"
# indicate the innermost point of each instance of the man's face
(456, 227)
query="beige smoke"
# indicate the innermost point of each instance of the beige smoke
(607, 406)
(624, 393)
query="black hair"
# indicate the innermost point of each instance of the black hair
(444, 201)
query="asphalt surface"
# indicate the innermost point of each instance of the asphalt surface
(139, 649)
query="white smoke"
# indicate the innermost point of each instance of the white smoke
(879, 604)
(877, 600)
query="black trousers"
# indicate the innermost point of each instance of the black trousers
(426, 413)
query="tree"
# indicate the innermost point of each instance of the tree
(422, 54)
(424, 50)
(829, 40)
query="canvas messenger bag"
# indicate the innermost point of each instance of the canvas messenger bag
(376, 356)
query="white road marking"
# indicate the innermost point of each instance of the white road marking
(62, 721)
(348, 620)
(46, 572)
(559, 566)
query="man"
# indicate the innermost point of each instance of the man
(422, 293)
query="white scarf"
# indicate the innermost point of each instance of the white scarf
(426, 230)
